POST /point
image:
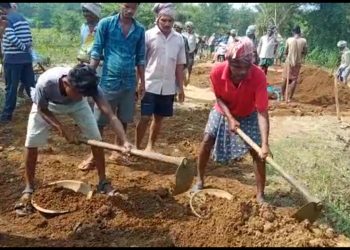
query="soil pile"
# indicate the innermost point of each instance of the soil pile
(247, 223)
(58, 198)
(317, 87)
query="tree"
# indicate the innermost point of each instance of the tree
(278, 14)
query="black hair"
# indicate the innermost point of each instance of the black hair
(5, 5)
(296, 30)
(83, 78)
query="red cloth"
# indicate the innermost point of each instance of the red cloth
(250, 95)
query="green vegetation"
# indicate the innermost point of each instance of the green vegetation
(323, 24)
(60, 47)
(319, 160)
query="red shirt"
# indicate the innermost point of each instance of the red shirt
(250, 95)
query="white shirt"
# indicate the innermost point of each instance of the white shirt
(162, 56)
(266, 47)
(192, 41)
(222, 48)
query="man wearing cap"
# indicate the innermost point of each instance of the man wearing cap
(267, 48)
(241, 101)
(92, 15)
(250, 33)
(62, 91)
(192, 43)
(178, 28)
(232, 38)
(344, 68)
(296, 50)
(165, 57)
(120, 39)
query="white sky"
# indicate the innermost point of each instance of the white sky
(237, 5)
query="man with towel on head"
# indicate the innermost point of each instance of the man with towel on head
(92, 15)
(241, 101)
(165, 60)
(344, 68)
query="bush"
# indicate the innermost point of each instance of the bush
(324, 58)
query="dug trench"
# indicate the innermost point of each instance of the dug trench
(146, 214)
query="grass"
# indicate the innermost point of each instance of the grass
(322, 163)
(61, 48)
(324, 58)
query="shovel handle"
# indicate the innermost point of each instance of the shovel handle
(149, 155)
(336, 98)
(286, 176)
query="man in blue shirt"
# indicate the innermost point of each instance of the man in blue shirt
(121, 40)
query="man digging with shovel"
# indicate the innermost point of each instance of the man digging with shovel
(241, 102)
(63, 90)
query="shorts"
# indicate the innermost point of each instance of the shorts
(122, 104)
(161, 105)
(38, 128)
(293, 71)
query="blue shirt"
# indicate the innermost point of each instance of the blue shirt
(121, 54)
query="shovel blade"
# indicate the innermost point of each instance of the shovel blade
(310, 211)
(183, 178)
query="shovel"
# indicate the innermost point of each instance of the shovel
(313, 208)
(184, 173)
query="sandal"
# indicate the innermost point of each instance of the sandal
(105, 187)
(87, 165)
(24, 206)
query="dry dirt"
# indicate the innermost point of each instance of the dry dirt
(146, 214)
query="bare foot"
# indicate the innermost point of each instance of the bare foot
(114, 156)
(88, 164)
(261, 199)
(149, 149)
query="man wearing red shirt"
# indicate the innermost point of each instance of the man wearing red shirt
(241, 101)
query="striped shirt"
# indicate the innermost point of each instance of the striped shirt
(17, 40)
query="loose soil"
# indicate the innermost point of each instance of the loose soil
(145, 214)
(58, 198)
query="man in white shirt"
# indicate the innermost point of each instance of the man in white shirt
(165, 59)
(267, 49)
(192, 43)
(344, 68)
(232, 37)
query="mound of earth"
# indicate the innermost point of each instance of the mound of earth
(317, 87)
(246, 223)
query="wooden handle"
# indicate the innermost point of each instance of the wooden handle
(287, 84)
(286, 176)
(149, 155)
(336, 97)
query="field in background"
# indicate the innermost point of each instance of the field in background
(61, 48)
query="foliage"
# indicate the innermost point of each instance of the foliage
(322, 25)
(60, 47)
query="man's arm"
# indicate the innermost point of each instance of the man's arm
(140, 63)
(51, 119)
(264, 126)
(179, 70)
(99, 43)
(259, 46)
(13, 39)
(106, 109)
